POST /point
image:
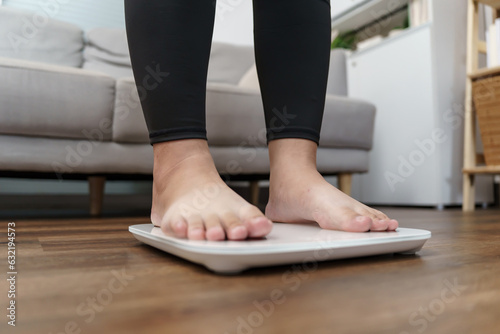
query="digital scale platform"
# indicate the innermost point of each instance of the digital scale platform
(286, 244)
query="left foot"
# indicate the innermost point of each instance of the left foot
(298, 193)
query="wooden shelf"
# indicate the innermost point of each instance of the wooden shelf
(482, 170)
(492, 3)
(363, 14)
(483, 72)
(474, 47)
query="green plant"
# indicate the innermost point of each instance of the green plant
(345, 40)
(406, 23)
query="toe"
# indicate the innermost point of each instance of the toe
(357, 223)
(379, 220)
(255, 222)
(380, 214)
(177, 226)
(214, 230)
(345, 220)
(379, 225)
(196, 228)
(354, 222)
(258, 227)
(235, 230)
(393, 225)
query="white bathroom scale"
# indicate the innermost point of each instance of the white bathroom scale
(286, 244)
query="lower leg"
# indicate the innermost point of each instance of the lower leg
(169, 43)
(298, 193)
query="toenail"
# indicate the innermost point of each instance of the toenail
(360, 219)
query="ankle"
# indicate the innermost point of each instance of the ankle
(292, 154)
(168, 156)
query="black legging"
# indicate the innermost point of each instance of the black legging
(292, 50)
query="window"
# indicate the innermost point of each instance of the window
(86, 14)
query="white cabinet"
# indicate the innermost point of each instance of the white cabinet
(417, 82)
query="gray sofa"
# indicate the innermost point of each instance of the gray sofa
(69, 109)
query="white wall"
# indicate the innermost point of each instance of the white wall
(234, 22)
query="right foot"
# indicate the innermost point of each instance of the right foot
(190, 200)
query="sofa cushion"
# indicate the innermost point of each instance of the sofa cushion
(61, 156)
(347, 123)
(107, 51)
(67, 156)
(36, 37)
(129, 125)
(235, 117)
(234, 161)
(39, 99)
(111, 40)
(228, 63)
(337, 75)
(250, 79)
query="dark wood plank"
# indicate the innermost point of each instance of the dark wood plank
(451, 286)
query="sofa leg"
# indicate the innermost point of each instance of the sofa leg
(96, 190)
(254, 192)
(345, 181)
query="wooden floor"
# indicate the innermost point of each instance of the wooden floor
(92, 276)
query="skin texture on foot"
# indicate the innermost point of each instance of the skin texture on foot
(190, 200)
(298, 193)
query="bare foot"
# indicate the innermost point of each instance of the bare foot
(190, 200)
(298, 193)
